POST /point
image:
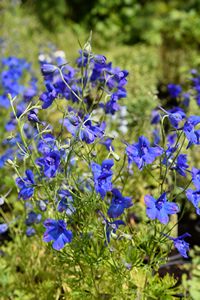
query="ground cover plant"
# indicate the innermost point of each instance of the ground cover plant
(81, 217)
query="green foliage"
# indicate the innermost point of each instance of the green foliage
(191, 281)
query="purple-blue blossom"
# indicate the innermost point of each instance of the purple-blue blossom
(47, 69)
(3, 228)
(174, 90)
(160, 208)
(48, 96)
(57, 232)
(176, 115)
(66, 204)
(26, 185)
(181, 165)
(33, 218)
(30, 231)
(49, 163)
(181, 245)
(191, 133)
(142, 153)
(194, 197)
(196, 177)
(110, 227)
(84, 130)
(102, 176)
(118, 204)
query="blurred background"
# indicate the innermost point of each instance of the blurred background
(170, 29)
(156, 41)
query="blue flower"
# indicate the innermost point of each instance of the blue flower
(66, 203)
(50, 163)
(141, 153)
(32, 117)
(196, 177)
(3, 228)
(48, 69)
(72, 124)
(112, 105)
(33, 218)
(26, 185)
(49, 96)
(186, 99)
(89, 133)
(174, 90)
(118, 204)
(85, 130)
(110, 227)
(190, 132)
(171, 138)
(8, 154)
(181, 245)
(176, 115)
(156, 136)
(42, 204)
(57, 232)
(30, 231)
(107, 143)
(47, 144)
(181, 165)
(82, 60)
(102, 175)
(155, 117)
(194, 198)
(160, 208)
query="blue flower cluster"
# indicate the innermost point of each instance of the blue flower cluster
(92, 73)
(67, 163)
(13, 71)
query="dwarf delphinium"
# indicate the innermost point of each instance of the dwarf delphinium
(196, 177)
(169, 154)
(51, 159)
(66, 204)
(174, 90)
(32, 218)
(110, 227)
(49, 163)
(56, 231)
(118, 204)
(84, 130)
(194, 195)
(49, 96)
(47, 143)
(30, 231)
(66, 82)
(11, 76)
(181, 165)
(12, 83)
(142, 153)
(102, 175)
(33, 116)
(3, 228)
(175, 116)
(26, 185)
(160, 208)
(70, 197)
(181, 245)
(191, 133)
